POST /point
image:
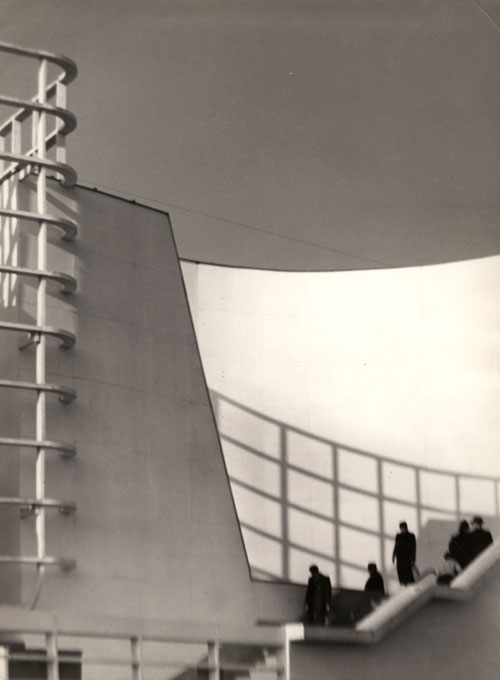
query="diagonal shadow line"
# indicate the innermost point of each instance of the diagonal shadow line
(283, 466)
(342, 486)
(328, 518)
(345, 447)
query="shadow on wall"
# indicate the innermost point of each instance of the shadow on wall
(301, 498)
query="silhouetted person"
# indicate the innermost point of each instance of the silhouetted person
(375, 583)
(479, 538)
(459, 545)
(405, 554)
(318, 597)
(447, 571)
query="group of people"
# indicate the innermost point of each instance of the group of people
(463, 547)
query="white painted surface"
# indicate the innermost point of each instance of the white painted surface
(374, 391)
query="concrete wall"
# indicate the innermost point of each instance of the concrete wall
(445, 640)
(155, 533)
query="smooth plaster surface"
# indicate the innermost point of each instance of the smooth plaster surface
(155, 532)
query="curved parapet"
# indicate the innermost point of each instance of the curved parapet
(32, 141)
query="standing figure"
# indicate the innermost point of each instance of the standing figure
(479, 538)
(405, 554)
(459, 545)
(375, 583)
(318, 597)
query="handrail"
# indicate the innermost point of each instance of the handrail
(68, 65)
(67, 282)
(66, 394)
(67, 338)
(66, 450)
(58, 626)
(22, 114)
(67, 118)
(68, 226)
(62, 562)
(65, 507)
(69, 175)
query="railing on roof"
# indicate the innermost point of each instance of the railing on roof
(98, 646)
(36, 127)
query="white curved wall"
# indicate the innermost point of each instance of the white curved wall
(339, 377)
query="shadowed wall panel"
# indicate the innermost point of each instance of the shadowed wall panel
(155, 533)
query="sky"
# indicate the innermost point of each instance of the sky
(307, 134)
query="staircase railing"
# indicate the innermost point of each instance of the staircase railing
(33, 142)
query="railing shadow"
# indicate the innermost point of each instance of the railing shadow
(302, 498)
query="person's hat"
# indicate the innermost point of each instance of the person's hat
(477, 520)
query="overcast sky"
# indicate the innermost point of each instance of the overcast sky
(300, 134)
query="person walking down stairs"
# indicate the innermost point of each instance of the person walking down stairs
(405, 554)
(318, 597)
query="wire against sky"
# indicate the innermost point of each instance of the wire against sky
(126, 194)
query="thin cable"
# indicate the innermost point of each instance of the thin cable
(233, 222)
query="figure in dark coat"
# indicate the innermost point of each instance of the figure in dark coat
(405, 554)
(318, 597)
(375, 583)
(479, 538)
(459, 545)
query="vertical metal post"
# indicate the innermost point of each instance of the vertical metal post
(136, 651)
(214, 660)
(41, 313)
(16, 148)
(4, 663)
(60, 139)
(52, 656)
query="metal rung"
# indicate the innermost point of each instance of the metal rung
(63, 562)
(66, 171)
(68, 226)
(67, 282)
(67, 118)
(66, 394)
(64, 507)
(66, 450)
(67, 338)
